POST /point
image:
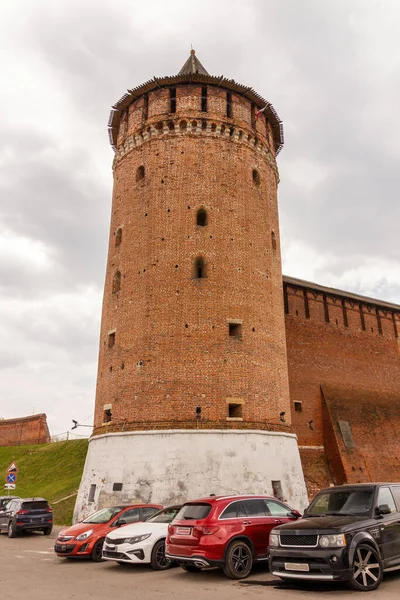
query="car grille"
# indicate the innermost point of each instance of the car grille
(109, 554)
(299, 540)
(63, 549)
(65, 538)
(114, 541)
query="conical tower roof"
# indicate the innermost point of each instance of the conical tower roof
(192, 65)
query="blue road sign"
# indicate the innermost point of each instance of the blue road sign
(11, 477)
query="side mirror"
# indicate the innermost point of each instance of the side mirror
(120, 522)
(383, 509)
(296, 514)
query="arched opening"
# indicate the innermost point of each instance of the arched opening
(140, 173)
(183, 125)
(200, 271)
(202, 218)
(194, 126)
(256, 177)
(116, 282)
(118, 236)
(171, 126)
(214, 127)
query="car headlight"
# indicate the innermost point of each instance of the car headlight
(274, 540)
(137, 539)
(332, 541)
(85, 535)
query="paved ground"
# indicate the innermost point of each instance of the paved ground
(29, 570)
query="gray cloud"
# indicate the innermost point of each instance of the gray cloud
(330, 70)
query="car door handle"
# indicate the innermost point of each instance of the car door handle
(246, 522)
(277, 520)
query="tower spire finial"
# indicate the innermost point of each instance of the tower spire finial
(192, 65)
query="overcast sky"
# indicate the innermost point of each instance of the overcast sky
(332, 71)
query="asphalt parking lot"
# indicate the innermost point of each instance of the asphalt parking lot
(29, 570)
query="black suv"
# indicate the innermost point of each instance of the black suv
(26, 514)
(349, 533)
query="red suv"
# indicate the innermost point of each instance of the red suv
(87, 537)
(230, 532)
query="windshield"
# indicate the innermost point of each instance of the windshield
(164, 516)
(104, 515)
(193, 512)
(341, 502)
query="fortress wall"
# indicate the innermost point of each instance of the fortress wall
(24, 431)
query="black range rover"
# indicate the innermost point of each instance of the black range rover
(349, 533)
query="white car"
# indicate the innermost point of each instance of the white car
(144, 542)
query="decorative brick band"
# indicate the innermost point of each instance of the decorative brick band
(205, 425)
(203, 127)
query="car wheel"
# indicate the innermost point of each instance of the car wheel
(238, 560)
(191, 568)
(47, 530)
(97, 552)
(366, 570)
(158, 560)
(12, 530)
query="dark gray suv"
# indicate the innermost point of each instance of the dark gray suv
(26, 514)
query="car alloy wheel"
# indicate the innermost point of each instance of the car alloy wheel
(238, 560)
(97, 552)
(11, 530)
(366, 569)
(159, 562)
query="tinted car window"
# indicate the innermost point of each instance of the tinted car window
(148, 512)
(35, 505)
(342, 502)
(193, 512)
(255, 508)
(385, 497)
(234, 510)
(164, 516)
(130, 516)
(396, 493)
(276, 509)
(104, 515)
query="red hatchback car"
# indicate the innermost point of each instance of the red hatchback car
(230, 532)
(87, 537)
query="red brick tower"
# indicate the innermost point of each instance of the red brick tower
(193, 333)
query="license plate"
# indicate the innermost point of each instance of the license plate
(183, 530)
(297, 567)
(63, 548)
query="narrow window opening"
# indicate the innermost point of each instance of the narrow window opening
(256, 177)
(200, 268)
(117, 487)
(92, 492)
(235, 330)
(202, 217)
(235, 411)
(229, 105)
(277, 490)
(107, 415)
(204, 91)
(111, 339)
(118, 236)
(140, 173)
(298, 406)
(116, 282)
(273, 240)
(145, 107)
(172, 100)
(253, 115)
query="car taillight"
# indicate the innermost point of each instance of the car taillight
(49, 509)
(22, 512)
(205, 530)
(171, 529)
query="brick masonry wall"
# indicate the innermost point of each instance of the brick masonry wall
(24, 431)
(172, 349)
(336, 341)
